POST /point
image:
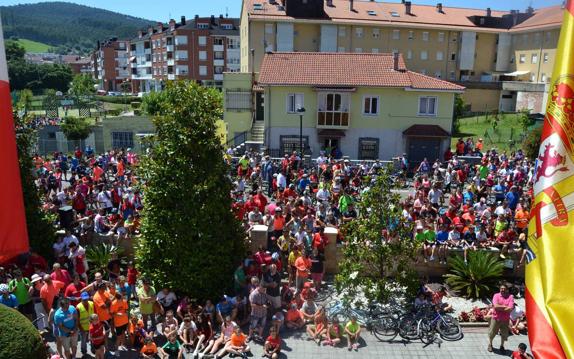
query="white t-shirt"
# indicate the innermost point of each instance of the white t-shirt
(516, 313)
(434, 195)
(281, 181)
(105, 199)
(183, 326)
(166, 299)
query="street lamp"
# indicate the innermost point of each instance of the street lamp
(301, 111)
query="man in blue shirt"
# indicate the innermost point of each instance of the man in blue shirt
(512, 197)
(224, 308)
(441, 242)
(499, 190)
(303, 183)
(66, 323)
(7, 298)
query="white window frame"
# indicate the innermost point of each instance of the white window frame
(441, 37)
(409, 54)
(376, 32)
(522, 58)
(439, 55)
(424, 55)
(545, 58)
(359, 32)
(202, 70)
(342, 31)
(426, 36)
(293, 101)
(411, 35)
(202, 40)
(370, 99)
(396, 34)
(427, 113)
(534, 58)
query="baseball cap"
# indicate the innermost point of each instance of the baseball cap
(85, 296)
(3, 287)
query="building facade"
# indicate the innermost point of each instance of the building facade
(111, 64)
(367, 106)
(481, 49)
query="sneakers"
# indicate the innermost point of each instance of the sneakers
(489, 348)
(432, 258)
(356, 346)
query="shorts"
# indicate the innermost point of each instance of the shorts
(27, 308)
(69, 342)
(121, 330)
(95, 347)
(275, 302)
(496, 326)
(257, 322)
(317, 277)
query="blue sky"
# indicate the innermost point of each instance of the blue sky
(163, 10)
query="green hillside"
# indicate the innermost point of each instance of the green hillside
(33, 46)
(66, 26)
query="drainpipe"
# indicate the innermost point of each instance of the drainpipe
(254, 97)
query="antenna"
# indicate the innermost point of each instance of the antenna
(226, 11)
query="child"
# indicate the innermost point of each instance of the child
(132, 278)
(187, 332)
(137, 332)
(172, 349)
(293, 318)
(334, 333)
(318, 329)
(149, 349)
(237, 345)
(353, 331)
(98, 336)
(170, 325)
(272, 346)
(521, 352)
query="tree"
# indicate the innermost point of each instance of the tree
(76, 128)
(41, 232)
(24, 100)
(19, 339)
(379, 250)
(479, 277)
(82, 85)
(525, 120)
(459, 107)
(532, 143)
(14, 51)
(151, 103)
(190, 240)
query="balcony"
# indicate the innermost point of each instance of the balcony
(147, 51)
(218, 62)
(218, 47)
(328, 119)
(170, 62)
(179, 72)
(169, 48)
(218, 77)
(171, 76)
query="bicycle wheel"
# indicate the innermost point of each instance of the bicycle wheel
(385, 329)
(408, 327)
(449, 328)
(426, 331)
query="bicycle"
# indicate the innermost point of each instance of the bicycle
(447, 327)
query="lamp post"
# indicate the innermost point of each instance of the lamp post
(301, 111)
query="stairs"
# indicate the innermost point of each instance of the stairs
(257, 134)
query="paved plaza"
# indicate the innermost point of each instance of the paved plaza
(473, 345)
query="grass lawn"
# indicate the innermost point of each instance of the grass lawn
(33, 46)
(507, 136)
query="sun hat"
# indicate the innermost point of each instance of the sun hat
(35, 278)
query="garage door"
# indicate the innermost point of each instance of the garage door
(419, 148)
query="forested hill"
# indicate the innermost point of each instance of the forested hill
(67, 26)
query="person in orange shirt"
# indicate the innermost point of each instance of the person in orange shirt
(98, 172)
(102, 303)
(149, 349)
(303, 266)
(237, 345)
(119, 309)
(521, 219)
(121, 171)
(49, 292)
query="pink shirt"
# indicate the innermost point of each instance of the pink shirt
(498, 299)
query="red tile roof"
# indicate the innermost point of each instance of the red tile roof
(422, 16)
(545, 17)
(324, 69)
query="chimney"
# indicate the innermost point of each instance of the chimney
(407, 7)
(172, 24)
(212, 20)
(439, 7)
(330, 3)
(183, 20)
(150, 30)
(159, 27)
(514, 16)
(396, 61)
(140, 34)
(488, 12)
(351, 7)
(530, 10)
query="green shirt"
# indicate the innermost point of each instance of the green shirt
(420, 237)
(353, 328)
(430, 236)
(239, 278)
(483, 170)
(146, 308)
(20, 289)
(344, 203)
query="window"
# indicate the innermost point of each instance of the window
(232, 43)
(358, 49)
(453, 56)
(238, 101)
(411, 35)
(202, 70)
(218, 41)
(294, 102)
(545, 58)
(395, 14)
(396, 34)
(268, 28)
(372, 13)
(427, 106)
(438, 74)
(543, 77)
(522, 58)
(292, 143)
(452, 76)
(534, 58)
(203, 55)
(425, 36)
(424, 71)
(533, 78)
(203, 26)
(333, 109)
(181, 55)
(342, 31)
(341, 49)
(376, 33)
(218, 55)
(371, 105)
(202, 40)
(409, 54)
(227, 26)
(368, 148)
(375, 50)
(424, 55)
(181, 40)
(439, 55)
(122, 139)
(359, 32)
(441, 37)
(395, 51)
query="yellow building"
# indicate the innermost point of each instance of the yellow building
(367, 106)
(470, 46)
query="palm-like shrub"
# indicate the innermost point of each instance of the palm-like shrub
(478, 278)
(100, 255)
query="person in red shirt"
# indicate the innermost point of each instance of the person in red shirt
(320, 240)
(132, 278)
(98, 336)
(260, 201)
(303, 266)
(74, 289)
(272, 346)
(521, 352)
(49, 292)
(60, 274)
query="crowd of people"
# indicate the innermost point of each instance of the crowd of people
(454, 206)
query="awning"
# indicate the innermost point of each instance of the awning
(132, 59)
(425, 131)
(331, 133)
(517, 73)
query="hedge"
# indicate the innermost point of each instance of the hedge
(117, 99)
(19, 339)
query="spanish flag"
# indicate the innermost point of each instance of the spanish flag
(13, 232)
(550, 268)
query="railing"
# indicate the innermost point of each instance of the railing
(332, 119)
(239, 138)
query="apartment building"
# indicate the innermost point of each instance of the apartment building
(201, 49)
(481, 48)
(111, 64)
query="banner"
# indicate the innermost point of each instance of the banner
(550, 268)
(13, 232)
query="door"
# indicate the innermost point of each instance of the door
(329, 144)
(259, 114)
(419, 148)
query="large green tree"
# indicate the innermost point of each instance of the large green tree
(190, 240)
(76, 128)
(82, 85)
(379, 251)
